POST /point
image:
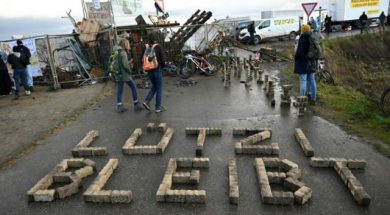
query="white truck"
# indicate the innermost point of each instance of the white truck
(349, 11)
(271, 28)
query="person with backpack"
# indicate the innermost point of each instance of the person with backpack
(25, 56)
(306, 63)
(153, 61)
(120, 63)
(19, 72)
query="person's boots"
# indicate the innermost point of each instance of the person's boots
(121, 108)
(138, 106)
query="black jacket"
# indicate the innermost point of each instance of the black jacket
(160, 56)
(303, 65)
(25, 54)
(15, 62)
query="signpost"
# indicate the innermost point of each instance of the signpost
(309, 8)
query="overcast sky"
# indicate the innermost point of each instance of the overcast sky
(38, 17)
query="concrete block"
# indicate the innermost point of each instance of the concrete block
(356, 163)
(181, 177)
(99, 151)
(275, 148)
(121, 196)
(91, 163)
(287, 164)
(276, 177)
(160, 194)
(249, 131)
(87, 140)
(345, 173)
(362, 197)
(184, 162)
(302, 195)
(75, 162)
(338, 166)
(304, 143)
(234, 195)
(101, 196)
(292, 184)
(61, 167)
(81, 152)
(214, 131)
(334, 160)
(178, 196)
(200, 162)
(191, 131)
(44, 195)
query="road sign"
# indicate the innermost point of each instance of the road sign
(309, 7)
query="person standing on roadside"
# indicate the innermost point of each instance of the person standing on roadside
(124, 76)
(25, 55)
(20, 72)
(382, 18)
(251, 30)
(5, 80)
(363, 22)
(304, 66)
(156, 55)
(328, 24)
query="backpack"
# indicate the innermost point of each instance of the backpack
(24, 56)
(315, 47)
(149, 60)
(114, 64)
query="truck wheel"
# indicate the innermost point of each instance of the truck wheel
(256, 40)
(292, 35)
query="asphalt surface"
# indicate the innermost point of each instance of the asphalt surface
(207, 104)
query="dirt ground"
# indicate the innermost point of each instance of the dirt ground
(25, 122)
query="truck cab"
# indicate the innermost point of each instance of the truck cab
(271, 28)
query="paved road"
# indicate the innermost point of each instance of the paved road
(207, 104)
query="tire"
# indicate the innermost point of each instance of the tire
(214, 61)
(256, 40)
(327, 77)
(385, 102)
(170, 70)
(187, 69)
(292, 35)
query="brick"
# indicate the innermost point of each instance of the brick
(44, 195)
(184, 162)
(69, 189)
(197, 196)
(338, 166)
(354, 184)
(61, 167)
(86, 141)
(345, 173)
(162, 127)
(294, 173)
(234, 195)
(292, 184)
(181, 177)
(82, 152)
(275, 148)
(194, 177)
(249, 131)
(121, 196)
(84, 172)
(214, 131)
(99, 151)
(320, 162)
(287, 164)
(76, 162)
(302, 195)
(165, 140)
(200, 162)
(62, 177)
(160, 194)
(238, 148)
(362, 197)
(356, 163)
(271, 162)
(178, 196)
(101, 196)
(191, 131)
(91, 163)
(276, 177)
(151, 127)
(282, 198)
(334, 160)
(304, 142)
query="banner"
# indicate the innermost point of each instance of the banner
(33, 69)
(127, 7)
(364, 3)
(102, 15)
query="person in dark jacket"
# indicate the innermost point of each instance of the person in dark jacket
(155, 76)
(5, 80)
(304, 66)
(363, 19)
(20, 72)
(251, 30)
(25, 56)
(124, 76)
(382, 18)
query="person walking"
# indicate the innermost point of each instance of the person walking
(25, 56)
(124, 76)
(155, 75)
(313, 24)
(304, 66)
(382, 18)
(20, 72)
(363, 22)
